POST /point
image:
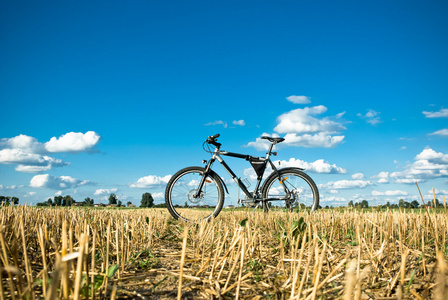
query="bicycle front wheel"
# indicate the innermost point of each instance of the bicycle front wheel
(293, 189)
(181, 191)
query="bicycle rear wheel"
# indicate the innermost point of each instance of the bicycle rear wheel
(301, 191)
(183, 186)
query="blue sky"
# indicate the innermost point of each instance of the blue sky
(116, 96)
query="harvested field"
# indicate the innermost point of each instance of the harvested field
(82, 253)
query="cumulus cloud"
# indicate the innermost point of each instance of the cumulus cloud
(441, 132)
(346, 184)
(73, 142)
(29, 162)
(321, 139)
(56, 183)
(371, 117)
(432, 156)
(261, 144)
(301, 120)
(22, 142)
(358, 176)
(150, 180)
(428, 164)
(30, 155)
(99, 192)
(239, 123)
(389, 193)
(303, 129)
(383, 177)
(298, 99)
(319, 166)
(442, 113)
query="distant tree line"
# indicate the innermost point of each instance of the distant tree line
(401, 204)
(362, 204)
(65, 201)
(413, 204)
(7, 200)
(147, 201)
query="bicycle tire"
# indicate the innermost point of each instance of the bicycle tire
(302, 185)
(180, 190)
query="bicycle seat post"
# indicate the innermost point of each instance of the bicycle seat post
(270, 149)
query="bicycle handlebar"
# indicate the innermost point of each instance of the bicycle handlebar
(214, 137)
(212, 140)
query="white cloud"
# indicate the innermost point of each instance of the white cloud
(319, 166)
(408, 180)
(22, 142)
(29, 162)
(219, 122)
(303, 129)
(57, 183)
(389, 193)
(158, 196)
(432, 156)
(339, 115)
(105, 191)
(11, 187)
(346, 184)
(383, 177)
(298, 99)
(69, 142)
(442, 113)
(239, 123)
(371, 117)
(301, 120)
(439, 192)
(261, 144)
(29, 194)
(73, 142)
(29, 154)
(358, 176)
(429, 164)
(307, 140)
(150, 180)
(333, 199)
(32, 169)
(441, 132)
(321, 139)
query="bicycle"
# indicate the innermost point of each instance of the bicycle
(196, 193)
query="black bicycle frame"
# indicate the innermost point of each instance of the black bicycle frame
(216, 156)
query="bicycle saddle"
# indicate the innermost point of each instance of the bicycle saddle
(273, 139)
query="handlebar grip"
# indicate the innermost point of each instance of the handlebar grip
(214, 137)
